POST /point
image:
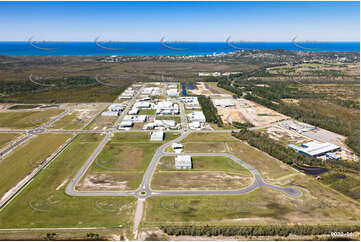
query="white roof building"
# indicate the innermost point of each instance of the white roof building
(116, 107)
(195, 125)
(133, 111)
(136, 118)
(165, 123)
(183, 162)
(147, 90)
(172, 92)
(141, 105)
(196, 116)
(110, 113)
(157, 136)
(125, 124)
(189, 100)
(223, 102)
(172, 85)
(166, 108)
(315, 149)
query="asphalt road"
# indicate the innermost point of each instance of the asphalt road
(145, 191)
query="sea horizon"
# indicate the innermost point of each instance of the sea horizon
(165, 48)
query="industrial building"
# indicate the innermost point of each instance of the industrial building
(116, 107)
(167, 124)
(196, 116)
(190, 102)
(183, 162)
(167, 108)
(315, 149)
(110, 113)
(152, 91)
(133, 111)
(195, 125)
(297, 126)
(135, 118)
(172, 85)
(172, 92)
(127, 94)
(157, 136)
(178, 148)
(126, 124)
(223, 102)
(142, 105)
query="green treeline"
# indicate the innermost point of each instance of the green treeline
(258, 230)
(347, 128)
(288, 155)
(33, 84)
(272, 96)
(343, 183)
(210, 111)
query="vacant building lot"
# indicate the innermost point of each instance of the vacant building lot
(122, 162)
(44, 204)
(27, 119)
(208, 173)
(6, 138)
(284, 136)
(318, 205)
(102, 122)
(257, 114)
(26, 157)
(210, 90)
(80, 115)
(270, 168)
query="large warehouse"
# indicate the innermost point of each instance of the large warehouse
(315, 149)
(183, 162)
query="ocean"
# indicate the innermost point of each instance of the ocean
(159, 49)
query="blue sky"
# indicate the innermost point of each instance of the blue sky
(180, 21)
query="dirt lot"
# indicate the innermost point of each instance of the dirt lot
(103, 122)
(79, 116)
(191, 180)
(285, 136)
(230, 115)
(209, 91)
(258, 115)
(114, 181)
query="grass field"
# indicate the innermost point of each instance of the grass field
(27, 119)
(269, 167)
(141, 137)
(137, 126)
(87, 94)
(122, 162)
(5, 138)
(147, 112)
(319, 205)
(23, 106)
(205, 147)
(25, 158)
(208, 173)
(102, 122)
(209, 137)
(204, 163)
(69, 121)
(80, 234)
(177, 119)
(44, 204)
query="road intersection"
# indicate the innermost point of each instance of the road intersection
(144, 191)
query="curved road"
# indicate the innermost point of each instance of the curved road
(145, 191)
